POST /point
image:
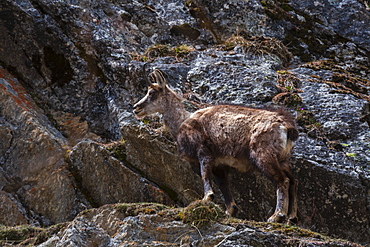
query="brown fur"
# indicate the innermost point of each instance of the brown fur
(228, 135)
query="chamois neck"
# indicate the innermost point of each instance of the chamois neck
(175, 113)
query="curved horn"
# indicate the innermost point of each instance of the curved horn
(145, 75)
(157, 77)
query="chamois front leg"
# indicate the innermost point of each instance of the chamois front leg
(206, 162)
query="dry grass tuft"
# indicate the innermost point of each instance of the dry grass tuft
(199, 213)
(260, 45)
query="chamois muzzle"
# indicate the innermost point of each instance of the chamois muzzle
(138, 110)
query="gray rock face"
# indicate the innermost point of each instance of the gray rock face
(71, 71)
(221, 77)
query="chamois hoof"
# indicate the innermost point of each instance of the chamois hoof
(277, 218)
(208, 197)
(232, 210)
(292, 221)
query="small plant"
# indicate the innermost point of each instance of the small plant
(289, 88)
(352, 155)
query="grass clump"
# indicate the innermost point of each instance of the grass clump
(160, 50)
(183, 50)
(260, 45)
(200, 213)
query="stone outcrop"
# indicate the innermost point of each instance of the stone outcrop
(157, 225)
(71, 71)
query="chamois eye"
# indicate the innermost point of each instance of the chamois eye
(152, 95)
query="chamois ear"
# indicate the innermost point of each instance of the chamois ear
(157, 77)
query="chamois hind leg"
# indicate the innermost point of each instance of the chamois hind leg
(271, 168)
(293, 194)
(206, 162)
(221, 174)
(282, 201)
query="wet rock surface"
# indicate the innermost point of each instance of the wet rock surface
(71, 71)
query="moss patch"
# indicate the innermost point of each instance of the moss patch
(287, 230)
(134, 209)
(117, 149)
(25, 235)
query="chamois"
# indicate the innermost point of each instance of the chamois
(223, 136)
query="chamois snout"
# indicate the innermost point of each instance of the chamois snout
(139, 110)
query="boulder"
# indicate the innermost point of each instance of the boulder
(104, 179)
(155, 157)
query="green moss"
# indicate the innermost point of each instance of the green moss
(17, 234)
(118, 150)
(286, 7)
(288, 230)
(45, 234)
(134, 209)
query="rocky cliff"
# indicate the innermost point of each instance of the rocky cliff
(70, 72)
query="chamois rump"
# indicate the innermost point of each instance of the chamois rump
(223, 136)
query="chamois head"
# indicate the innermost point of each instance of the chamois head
(153, 101)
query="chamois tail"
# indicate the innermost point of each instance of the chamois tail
(293, 134)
